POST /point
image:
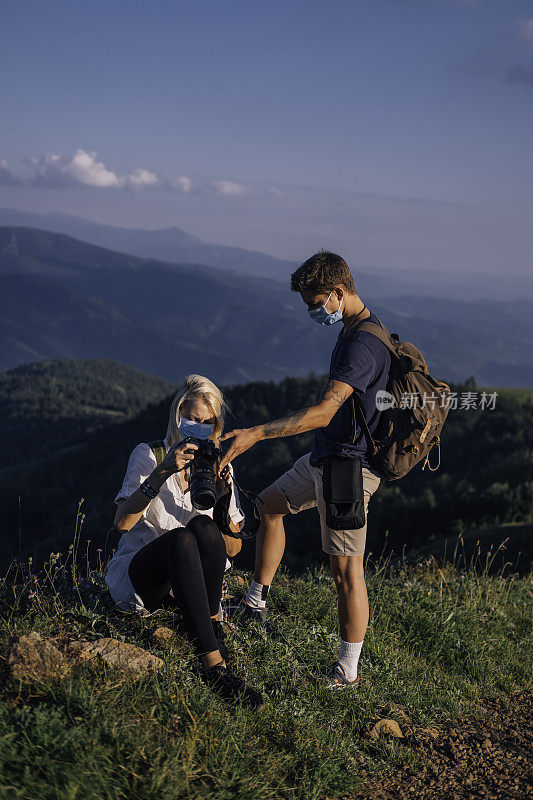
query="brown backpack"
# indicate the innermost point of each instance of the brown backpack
(406, 431)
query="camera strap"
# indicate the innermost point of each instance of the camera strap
(221, 509)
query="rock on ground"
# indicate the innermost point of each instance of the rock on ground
(389, 727)
(118, 654)
(163, 635)
(33, 657)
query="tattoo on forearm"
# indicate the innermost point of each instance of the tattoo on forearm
(286, 426)
(308, 418)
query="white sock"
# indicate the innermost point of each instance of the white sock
(349, 653)
(257, 595)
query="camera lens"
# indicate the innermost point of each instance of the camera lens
(203, 487)
(203, 494)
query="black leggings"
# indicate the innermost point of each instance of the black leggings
(191, 561)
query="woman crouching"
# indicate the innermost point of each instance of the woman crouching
(167, 544)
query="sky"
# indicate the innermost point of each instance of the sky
(396, 132)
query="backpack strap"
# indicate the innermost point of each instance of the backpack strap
(384, 336)
(391, 342)
(360, 417)
(381, 333)
(158, 449)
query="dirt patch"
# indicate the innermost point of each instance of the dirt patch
(491, 758)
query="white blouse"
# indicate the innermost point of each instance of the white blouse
(172, 508)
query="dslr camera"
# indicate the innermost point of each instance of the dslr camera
(203, 478)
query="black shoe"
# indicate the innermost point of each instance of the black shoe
(242, 613)
(224, 681)
(220, 634)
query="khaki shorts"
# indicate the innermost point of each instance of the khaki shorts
(301, 487)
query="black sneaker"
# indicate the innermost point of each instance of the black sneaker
(220, 634)
(242, 613)
(224, 681)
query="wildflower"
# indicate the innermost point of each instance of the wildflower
(32, 595)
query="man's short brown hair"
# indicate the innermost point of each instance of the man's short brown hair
(321, 273)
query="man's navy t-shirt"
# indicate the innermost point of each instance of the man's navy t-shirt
(363, 361)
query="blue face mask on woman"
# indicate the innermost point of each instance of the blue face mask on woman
(198, 430)
(322, 316)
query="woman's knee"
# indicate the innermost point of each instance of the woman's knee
(181, 539)
(205, 530)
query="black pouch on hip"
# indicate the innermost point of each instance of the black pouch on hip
(342, 484)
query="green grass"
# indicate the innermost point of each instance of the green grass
(440, 642)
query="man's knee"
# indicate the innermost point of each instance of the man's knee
(348, 571)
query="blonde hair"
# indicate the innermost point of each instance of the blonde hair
(196, 387)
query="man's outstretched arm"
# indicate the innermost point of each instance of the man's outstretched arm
(320, 415)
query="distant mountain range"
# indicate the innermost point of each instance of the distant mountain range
(168, 244)
(177, 246)
(63, 298)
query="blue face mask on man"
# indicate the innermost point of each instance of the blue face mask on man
(322, 316)
(197, 430)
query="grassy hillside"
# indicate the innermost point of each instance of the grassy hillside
(444, 641)
(440, 646)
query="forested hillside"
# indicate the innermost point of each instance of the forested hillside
(485, 477)
(52, 404)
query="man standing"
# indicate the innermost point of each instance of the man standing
(360, 362)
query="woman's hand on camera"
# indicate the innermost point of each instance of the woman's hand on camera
(179, 456)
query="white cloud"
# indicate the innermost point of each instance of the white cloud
(142, 177)
(84, 168)
(525, 31)
(182, 183)
(49, 170)
(228, 188)
(55, 170)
